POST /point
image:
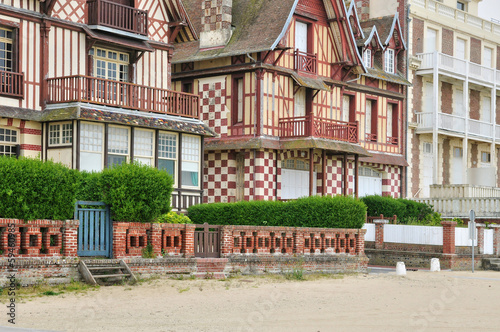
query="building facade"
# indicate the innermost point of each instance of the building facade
(87, 84)
(304, 98)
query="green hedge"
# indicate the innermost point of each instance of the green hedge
(32, 189)
(316, 211)
(134, 192)
(404, 209)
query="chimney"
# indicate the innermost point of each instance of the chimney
(216, 23)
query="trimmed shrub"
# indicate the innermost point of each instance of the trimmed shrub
(136, 192)
(173, 218)
(405, 209)
(32, 189)
(90, 187)
(315, 211)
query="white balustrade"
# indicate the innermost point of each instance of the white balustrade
(451, 122)
(485, 207)
(463, 191)
(480, 128)
(425, 119)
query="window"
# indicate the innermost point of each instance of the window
(6, 49)
(143, 146)
(367, 58)
(488, 57)
(346, 107)
(301, 34)
(295, 164)
(167, 153)
(486, 109)
(60, 134)
(392, 123)
(118, 145)
(190, 161)
(389, 61)
(371, 120)
(485, 157)
(427, 147)
(461, 5)
(8, 142)
(238, 99)
(91, 147)
(110, 65)
(431, 40)
(458, 152)
(460, 50)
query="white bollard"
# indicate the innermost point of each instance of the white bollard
(400, 269)
(435, 267)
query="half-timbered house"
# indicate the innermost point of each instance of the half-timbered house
(304, 98)
(86, 83)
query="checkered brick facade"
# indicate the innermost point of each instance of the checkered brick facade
(391, 181)
(213, 105)
(265, 174)
(217, 14)
(333, 176)
(219, 178)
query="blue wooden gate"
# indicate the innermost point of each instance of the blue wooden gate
(95, 233)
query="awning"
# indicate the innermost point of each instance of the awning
(140, 45)
(385, 159)
(309, 82)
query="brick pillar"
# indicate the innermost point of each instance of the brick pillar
(360, 241)
(496, 239)
(155, 240)
(449, 236)
(70, 238)
(226, 243)
(188, 240)
(119, 239)
(480, 237)
(299, 241)
(379, 232)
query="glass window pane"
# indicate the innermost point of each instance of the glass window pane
(167, 165)
(115, 160)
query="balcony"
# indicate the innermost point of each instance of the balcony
(457, 124)
(11, 84)
(310, 125)
(458, 15)
(117, 16)
(456, 67)
(121, 94)
(305, 62)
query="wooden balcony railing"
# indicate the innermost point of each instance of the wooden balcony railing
(392, 140)
(121, 94)
(117, 16)
(370, 137)
(310, 125)
(11, 84)
(305, 62)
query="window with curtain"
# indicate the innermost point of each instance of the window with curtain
(167, 153)
(91, 146)
(190, 165)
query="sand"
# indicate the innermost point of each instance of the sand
(420, 301)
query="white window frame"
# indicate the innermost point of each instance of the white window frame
(429, 32)
(367, 58)
(140, 147)
(458, 152)
(459, 42)
(164, 155)
(488, 62)
(368, 116)
(486, 109)
(389, 60)
(485, 157)
(427, 147)
(390, 109)
(10, 143)
(462, 4)
(92, 144)
(189, 158)
(112, 148)
(57, 135)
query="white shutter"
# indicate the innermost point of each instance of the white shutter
(389, 120)
(458, 101)
(460, 48)
(368, 117)
(430, 40)
(301, 36)
(300, 102)
(488, 57)
(345, 108)
(429, 92)
(486, 109)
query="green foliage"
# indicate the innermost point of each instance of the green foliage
(147, 251)
(32, 189)
(173, 218)
(406, 210)
(90, 187)
(136, 192)
(315, 211)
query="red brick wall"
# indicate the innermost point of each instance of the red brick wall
(474, 97)
(418, 30)
(475, 50)
(418, 86)
(446, 98)
(446, 161)
(38, 238)
(447, 42)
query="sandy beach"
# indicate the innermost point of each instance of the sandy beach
(420, 301)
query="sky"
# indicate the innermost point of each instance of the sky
(489, 9)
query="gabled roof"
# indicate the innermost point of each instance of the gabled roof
(371, 36)
(352, 11)
(177, 14)
(258, 26)
(386, 27)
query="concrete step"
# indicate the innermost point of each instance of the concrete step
(111, 275)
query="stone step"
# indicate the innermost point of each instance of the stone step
(94, 268)
(111, 275)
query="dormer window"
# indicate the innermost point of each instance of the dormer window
(367, 58)
(389, 61)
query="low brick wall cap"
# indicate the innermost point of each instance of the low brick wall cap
(448, 222)
(381, 221)
(480, 225)
(494, 226)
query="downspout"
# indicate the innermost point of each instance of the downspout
(404, 189)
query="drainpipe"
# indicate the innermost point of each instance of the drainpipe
(404, 191)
